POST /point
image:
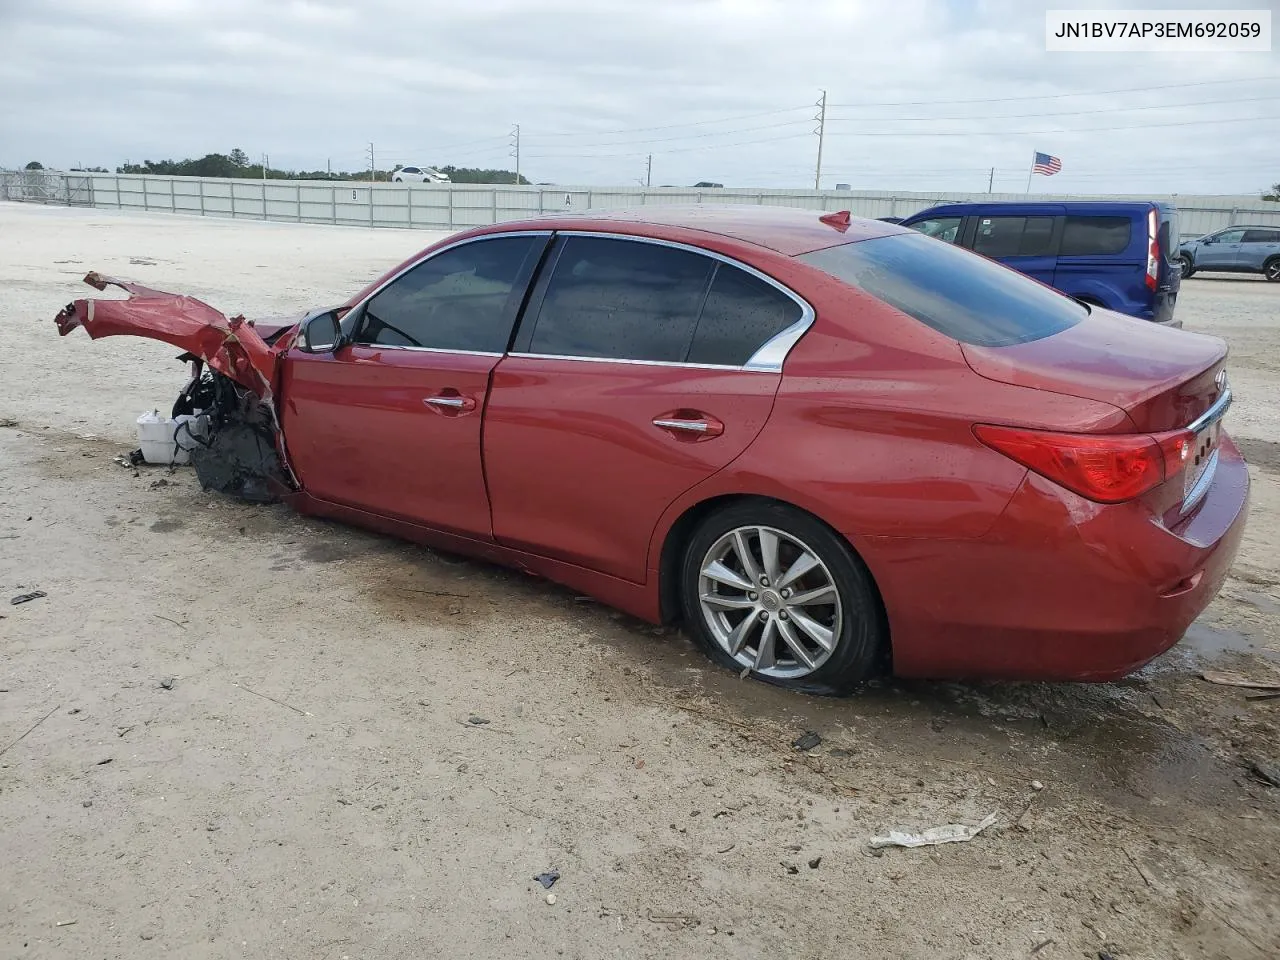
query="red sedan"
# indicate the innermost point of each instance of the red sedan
(819, 442)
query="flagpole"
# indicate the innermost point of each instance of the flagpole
(1030, 172)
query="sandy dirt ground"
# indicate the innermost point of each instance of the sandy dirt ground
(228, 731)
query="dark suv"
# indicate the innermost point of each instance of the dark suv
(1234, 250)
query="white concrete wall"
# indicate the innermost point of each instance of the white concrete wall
(449, 207)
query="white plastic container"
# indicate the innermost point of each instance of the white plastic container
(156, 438)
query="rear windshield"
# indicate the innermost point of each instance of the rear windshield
(964, 296)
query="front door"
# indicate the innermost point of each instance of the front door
(1223, 254)
(390, 423)
(631, 381)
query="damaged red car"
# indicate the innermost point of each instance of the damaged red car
(823, 444)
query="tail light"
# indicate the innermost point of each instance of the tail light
(1106, 468)
(1153, 249)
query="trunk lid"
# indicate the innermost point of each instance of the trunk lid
(1163, 379)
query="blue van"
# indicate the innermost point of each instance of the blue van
(1114, 254)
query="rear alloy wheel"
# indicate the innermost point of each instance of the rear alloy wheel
(1187, 267)
(769, 589)
(1271, 270)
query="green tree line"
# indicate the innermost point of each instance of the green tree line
(237, 164)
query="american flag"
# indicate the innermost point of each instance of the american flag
(1046, 164)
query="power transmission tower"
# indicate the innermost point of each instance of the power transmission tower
(821, 131)
(373, 175)
(515, 149)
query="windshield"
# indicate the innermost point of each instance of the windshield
(958, 293)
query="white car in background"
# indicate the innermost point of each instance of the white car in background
(419, 175)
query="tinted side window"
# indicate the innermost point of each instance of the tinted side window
(1095, 236)
(1014, 236)
(1228, 236)
(741, 314)
(1262, 236)
(1037, 238)
(621, 299)
(456, 300)
(964, 297)
(940, 228)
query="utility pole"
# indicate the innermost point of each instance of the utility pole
(991, 178)
(515, 149)
(373, 173)
(648, 172)
(821, 131)
(328, 167)
(265, 160)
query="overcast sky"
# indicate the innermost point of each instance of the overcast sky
(718, 90)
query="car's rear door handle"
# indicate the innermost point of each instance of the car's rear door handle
(451, 401)
(690, 428)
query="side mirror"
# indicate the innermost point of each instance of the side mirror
(321, 333)
(1209, 240)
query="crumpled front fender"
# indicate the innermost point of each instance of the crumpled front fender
(230, 346)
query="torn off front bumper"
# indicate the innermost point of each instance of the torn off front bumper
(245, 454)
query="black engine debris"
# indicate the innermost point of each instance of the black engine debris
(239, 456)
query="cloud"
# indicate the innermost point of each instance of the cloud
(715, 89)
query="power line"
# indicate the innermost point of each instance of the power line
(1063, 113)
(1019, 133)
(1055, 96)
(670, 126)
(711, 146)
(687, 136)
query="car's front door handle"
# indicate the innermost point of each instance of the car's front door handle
(451, 402)
(690, 428)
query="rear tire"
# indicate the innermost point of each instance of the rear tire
(1188, 268)
(1271, 269)
(801, 611)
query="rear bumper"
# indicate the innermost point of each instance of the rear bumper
(1061, 588)
(1162, 308)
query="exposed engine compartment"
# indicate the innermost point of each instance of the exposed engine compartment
(239, 456)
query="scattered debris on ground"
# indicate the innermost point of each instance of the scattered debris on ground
(950, 833)
(548, 879)
(806, 741)
(1236, 680)
(1267, 772)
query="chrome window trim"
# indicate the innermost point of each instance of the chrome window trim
(639, 363)
(1214, 413)
(770, 355)
(396, 346)
(767, 359)
(1202, 485)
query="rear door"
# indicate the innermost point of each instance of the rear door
(1029, 244)
(637, 372)
(390, 423)
(1102, 258)
(1258, 246)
